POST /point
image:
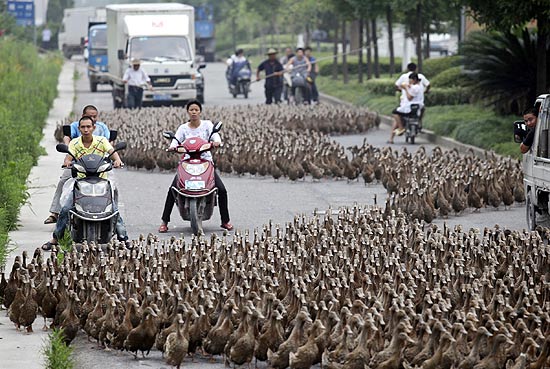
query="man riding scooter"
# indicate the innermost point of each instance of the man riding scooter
(86, 144)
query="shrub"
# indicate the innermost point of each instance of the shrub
(447, 96)
(433, 66)
(325, 67)
(381, 86)
(450, 77)
(57, 354)
(29, 84)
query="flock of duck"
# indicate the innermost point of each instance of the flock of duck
(294, 142)
(360, 287)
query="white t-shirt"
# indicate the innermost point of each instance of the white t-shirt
(417, 92)
(137, 78)
(404, 78)
(203, 131)
(235, 59)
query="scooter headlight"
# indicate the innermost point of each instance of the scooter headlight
(103, 167)
(195, 169)
(93, 189)
(79, 168)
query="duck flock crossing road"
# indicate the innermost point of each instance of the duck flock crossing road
(334, 259)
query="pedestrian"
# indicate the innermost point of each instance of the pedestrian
(196, 127)
(136, 78)
(300, 68)
(86, 144)
(102, 130)
(530, 117)
(46, 38)
(314, 93)
(273, 81)
(404, 79)
(286, 77)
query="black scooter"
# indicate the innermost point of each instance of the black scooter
(93, 216)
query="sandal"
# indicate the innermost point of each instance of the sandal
(51, 219)
(163, 228)
(389, 142)
(48, 246)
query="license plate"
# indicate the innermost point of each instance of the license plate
(162, 97)
(194, 185)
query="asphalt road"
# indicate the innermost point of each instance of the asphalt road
(253, 201)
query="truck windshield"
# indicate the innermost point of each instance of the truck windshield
(97, 41)
(161, 47)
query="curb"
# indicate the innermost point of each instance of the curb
(430, 135)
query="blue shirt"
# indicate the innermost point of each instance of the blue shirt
(101, 129)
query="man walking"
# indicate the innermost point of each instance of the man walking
(136, 78)
(273, 82)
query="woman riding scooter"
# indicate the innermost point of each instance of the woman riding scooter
(196, 127)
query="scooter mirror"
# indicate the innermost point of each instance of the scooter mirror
(217, 127)
(62, 148)
(201, 66)
(120, 146)
(520, 131)
(168, 134)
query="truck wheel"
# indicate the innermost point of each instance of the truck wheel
(93, 86)
(411, 139)
(531, 213)
(196, 223)
(298, 96)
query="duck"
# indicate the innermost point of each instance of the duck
(217, 337)
(15, 307)
(142, 337)
(108, 324)
(29, 308)
(160, 340)
(126, 326)
(242, 351)
(70, 323)
(271, 338)
(280, 358)
(175, 348)
(496, 358)
(309, 354)
(49, 304)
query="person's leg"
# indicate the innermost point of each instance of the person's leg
(277, 94)
(139, 97)
(395, 126)
(169, 203)
(268, 95)
(55, 206)
(131, 97)
(314, 92)
(222, 199)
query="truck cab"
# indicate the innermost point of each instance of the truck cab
(97, 55)
(536, 168)
(161, 36)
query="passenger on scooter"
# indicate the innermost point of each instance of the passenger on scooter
(196, 127)
(234, 64)
(101, 129)
(86, 144)
(300, 64)
(414, 94)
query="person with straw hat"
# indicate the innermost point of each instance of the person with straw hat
(136, 78)
(273, 70)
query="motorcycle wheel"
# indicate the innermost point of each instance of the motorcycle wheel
(196, 223)
(246, 92)
(412, 140)
(91, 232)
(234, 95)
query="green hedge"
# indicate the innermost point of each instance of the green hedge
(451, 77)
(29, 83)
(325, 67)
(447, 96)
(433, 66)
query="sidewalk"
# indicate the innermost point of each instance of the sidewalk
(17, 349)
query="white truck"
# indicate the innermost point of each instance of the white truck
(74, 29)
(162, 36)
(536, 166)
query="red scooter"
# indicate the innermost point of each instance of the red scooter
(195, 191)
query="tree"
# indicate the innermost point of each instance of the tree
(504, 15)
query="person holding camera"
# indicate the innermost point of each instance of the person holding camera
(530, 117)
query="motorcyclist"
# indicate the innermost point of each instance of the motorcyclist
(86, 144)
(298, 63)
(234, 64)
(196, 127)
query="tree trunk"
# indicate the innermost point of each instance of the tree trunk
(344, 55)
(335, 52)
(307, 39)
(427, 45)
(369, 52)
(360, 62)
(389, 19)
(233, 33)
(542, 38)
(375, 45)
(419, 36)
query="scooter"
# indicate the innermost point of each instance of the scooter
(93, 216)
(196, 191)
(298, 81)
(242, 84)
(412, 123)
